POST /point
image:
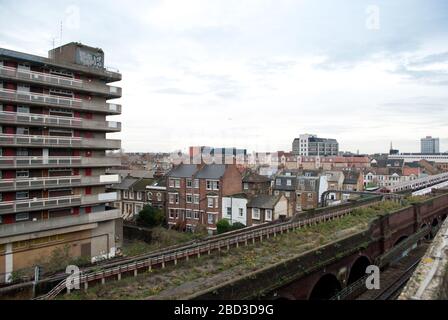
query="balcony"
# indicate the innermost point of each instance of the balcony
(57, 162)
(56, 182)
(27, 227)
(16, 206)
(110, 92)
(56, 121)
(57, 101)
(18, 140)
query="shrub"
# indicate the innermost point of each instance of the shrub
(150, 216)
(223, 225)
(237, 225)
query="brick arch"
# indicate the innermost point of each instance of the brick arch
(325, 287)
(357, 268)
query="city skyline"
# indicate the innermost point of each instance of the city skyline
(217, 74)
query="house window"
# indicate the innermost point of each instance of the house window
(139, 195)
(196, 199)
(268, 215)
(212, 184)
(20, 195)
(188, 214)
(174, 183)
(210, 202)
(211, 218)
(229, 211)
(189, 198)
(196, 183)
(22, 216)
(173, 198)
(240, 211)
(288, 182)
(172, 213)
(278, 182)
(159, 196)
(196, 214)
(189, 183)
(149, 195)
(256, 213)
(246, 186)
(131, 194)
(125, 194)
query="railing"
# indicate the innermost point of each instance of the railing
(45, 99)
(53, 182)
(38, 203)
(39, 76)
(38, 162)
(196, 249)
(39, 97)
(46, 203)
(41, 119)
(34, 140)
(27, 75)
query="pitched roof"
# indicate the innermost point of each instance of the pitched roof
(141, 184)
(263, 201)
(351, 177)
(125, 183)
(254, 177)
(182, 171)
(283, 183)
(211, 171)
(308, 183)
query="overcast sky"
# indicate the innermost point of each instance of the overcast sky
(255, 74)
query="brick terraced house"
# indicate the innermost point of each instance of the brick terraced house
(195, 192)
(53, 159)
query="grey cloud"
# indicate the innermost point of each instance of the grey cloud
(430, 59)
(431, 77)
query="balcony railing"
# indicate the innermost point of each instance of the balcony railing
(57, 121)
(52, 100)
(19, 228)
(7, 207)
(57, 162)
(56, 182)
(57, 141)
(51, 79)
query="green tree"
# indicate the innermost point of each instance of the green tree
(223, 225)
(150, 216)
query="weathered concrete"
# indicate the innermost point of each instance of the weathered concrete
(430, 279)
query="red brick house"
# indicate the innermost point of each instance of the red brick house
(194, 194)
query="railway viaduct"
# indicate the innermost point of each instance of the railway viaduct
(320, 273)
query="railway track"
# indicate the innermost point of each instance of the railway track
(394, 289)
(225, 241)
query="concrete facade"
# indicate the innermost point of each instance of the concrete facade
(53, 143)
